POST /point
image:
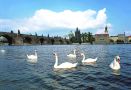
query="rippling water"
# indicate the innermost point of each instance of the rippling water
(16, 73)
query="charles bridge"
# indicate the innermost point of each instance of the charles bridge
(25, 39)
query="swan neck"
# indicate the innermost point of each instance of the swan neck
(74, 52)
(35, 53)
(56, 61)
(83, 58)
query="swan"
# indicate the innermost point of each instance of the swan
(63, 65)
(32, 57)
(2, 50)
(72, 55)
(115, 65)
(89, 60)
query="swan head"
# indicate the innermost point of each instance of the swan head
(55, 54)
(117, 58)
(82, 54)
(74, 50)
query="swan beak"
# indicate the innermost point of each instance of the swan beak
(81, 54)
(54, 53)
(118, 60)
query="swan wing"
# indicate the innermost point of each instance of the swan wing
(71, 55)
(32, 56)
(114, 65)
(90, 60)
(67, 65)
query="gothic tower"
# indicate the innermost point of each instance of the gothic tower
(106, 30)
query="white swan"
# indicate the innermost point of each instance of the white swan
(2, 50)
(63, 65)
(32, 57)
(72, 55)
(115, 65)
(89, 60)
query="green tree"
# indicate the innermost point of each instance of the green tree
(112, 41)
(71, 37)
(84, 37)
(42, 40)
(120, 42)
(61, 41)
(90, 38)
(52, 41)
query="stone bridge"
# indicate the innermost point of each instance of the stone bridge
(24, 39)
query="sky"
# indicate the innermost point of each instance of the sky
(59, 17)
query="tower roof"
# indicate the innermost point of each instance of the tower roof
(106, 30)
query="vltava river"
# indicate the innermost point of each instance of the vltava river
(16, 73)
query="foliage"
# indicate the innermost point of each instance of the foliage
(52, 41)
(112, 41)
(61, 41)
(87, 37)
(71, 37)
(120, 41)
(42, 40)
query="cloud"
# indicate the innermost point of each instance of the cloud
(44, 19)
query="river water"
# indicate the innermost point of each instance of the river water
(17, 73)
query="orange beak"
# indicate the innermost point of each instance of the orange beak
(118, 60)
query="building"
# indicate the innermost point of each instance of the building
(114, 39)
(102, 38)
(77, 36)
(123, 38)
(129, 39)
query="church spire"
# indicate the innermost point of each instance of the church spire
(106, 30)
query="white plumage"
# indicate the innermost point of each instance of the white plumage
(63, 65)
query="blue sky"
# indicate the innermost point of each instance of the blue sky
(118, 15)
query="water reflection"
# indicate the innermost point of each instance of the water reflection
(59, 70)
(17, 72)
(94, 64)
(33, 61)
(116, 72)
(2, 51)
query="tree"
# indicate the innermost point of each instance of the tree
(90, 38)
(84, 37)
(42, 40)
(71, 37)
(52, 41)
(112, 41)
(120, 41)
(61, 41)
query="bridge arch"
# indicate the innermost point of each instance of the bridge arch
(27, 40)
(10, 40)
(42, 40)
